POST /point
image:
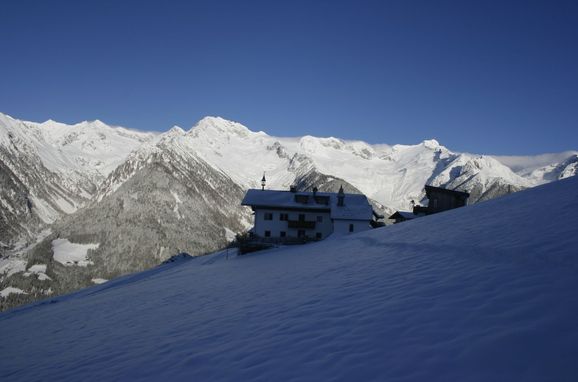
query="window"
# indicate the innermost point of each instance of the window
(283, 217)
(351, 228)
(301, 217)
(268, 216)
(283, 234)
(301, 233)
(319, 219)
(267, 233)
(318, 236)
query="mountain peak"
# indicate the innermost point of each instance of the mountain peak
(219, 126)
(50, 123)
(98, 122)
(431, 144)
(212, 119)
(94, 123)
(176, 130)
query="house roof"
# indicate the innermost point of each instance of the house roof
(403, 214)
(356, 206)
(429, 189)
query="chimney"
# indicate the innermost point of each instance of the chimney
(340, 197)
(293, 189)
(315, 191)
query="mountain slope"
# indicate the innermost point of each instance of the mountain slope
(162, 201)
(165, 200)
(31, 195)
(485, 292)
(51, 169)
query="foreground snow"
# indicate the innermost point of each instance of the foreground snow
(483, 293)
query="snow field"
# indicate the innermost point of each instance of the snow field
(9, 290)
(39, 270)
(67, 253)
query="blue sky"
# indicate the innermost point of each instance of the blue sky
(496, 77)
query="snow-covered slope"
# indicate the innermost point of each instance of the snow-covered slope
(31, 195)
(482, 293)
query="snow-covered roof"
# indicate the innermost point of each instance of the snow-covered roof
(404, 214)
(355, 206)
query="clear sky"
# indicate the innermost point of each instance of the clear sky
(495, 77)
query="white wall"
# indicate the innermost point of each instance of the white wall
(341, 227)
(276, 225)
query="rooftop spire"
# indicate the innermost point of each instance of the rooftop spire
(263, 182)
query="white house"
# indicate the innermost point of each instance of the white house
(307, 215)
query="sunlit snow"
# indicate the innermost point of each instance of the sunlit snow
(9, 290)
(39, 270)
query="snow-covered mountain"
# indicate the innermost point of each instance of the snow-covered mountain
(50, 169)
(481, 293)
(390, 175)
(137, 198)
(540, 170)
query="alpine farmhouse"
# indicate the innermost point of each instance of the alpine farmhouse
(292, 215)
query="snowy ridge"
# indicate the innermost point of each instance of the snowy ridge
(89, 146)
(390, 175)
(86, 151)
(84, 154)
(494, 300)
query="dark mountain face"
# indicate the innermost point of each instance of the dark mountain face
(171, 203)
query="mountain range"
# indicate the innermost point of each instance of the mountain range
(111, 200)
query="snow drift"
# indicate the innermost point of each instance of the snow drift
(481, 293)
